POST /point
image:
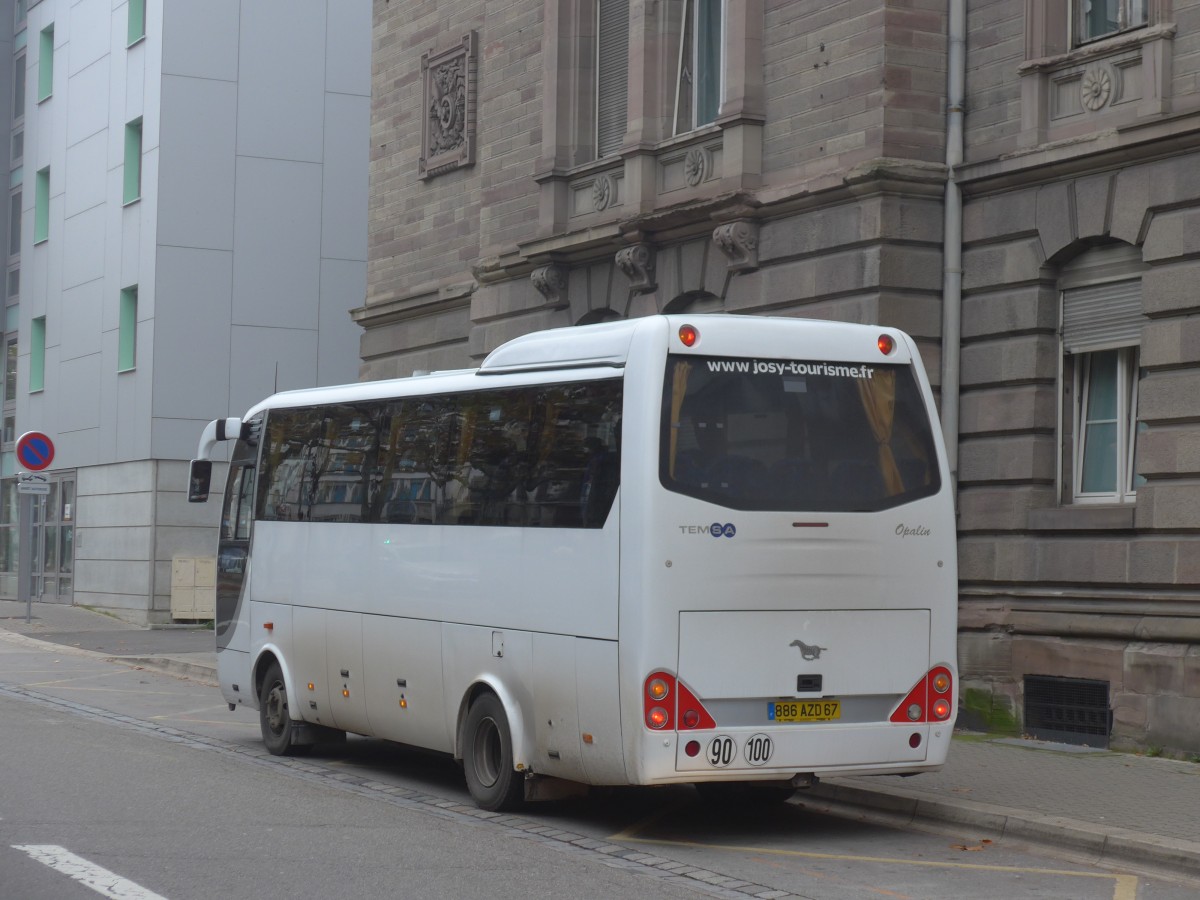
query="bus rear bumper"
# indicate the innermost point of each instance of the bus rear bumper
(781, 753)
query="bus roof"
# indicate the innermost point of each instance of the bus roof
(542, 356)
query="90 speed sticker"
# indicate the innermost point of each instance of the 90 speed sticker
(722, 750)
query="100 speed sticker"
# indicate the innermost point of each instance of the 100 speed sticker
(722, 750)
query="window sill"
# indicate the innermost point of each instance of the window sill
(137, 40)
(1115, 517)
(131, 201)
(1100, 47)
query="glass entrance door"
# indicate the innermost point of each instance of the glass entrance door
(54, 543)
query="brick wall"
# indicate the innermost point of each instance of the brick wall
(431, 231)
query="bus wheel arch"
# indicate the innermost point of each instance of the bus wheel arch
(487, 742)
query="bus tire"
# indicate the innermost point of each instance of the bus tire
(274, 718)
(488, 758)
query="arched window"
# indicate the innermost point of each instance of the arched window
(1101, 333)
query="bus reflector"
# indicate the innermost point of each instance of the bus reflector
(686, 713)
(692, 714)
(688, 335)
(920, 704)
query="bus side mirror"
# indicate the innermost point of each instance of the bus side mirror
(199, 480)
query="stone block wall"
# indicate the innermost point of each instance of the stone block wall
(1052, 587)
(851, 82)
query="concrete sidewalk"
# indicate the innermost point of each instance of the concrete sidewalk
(1111, 807)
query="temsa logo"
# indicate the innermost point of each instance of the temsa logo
(716, 529)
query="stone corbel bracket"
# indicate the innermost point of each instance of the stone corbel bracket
(738, 240)
(637, 262)
(551, 282)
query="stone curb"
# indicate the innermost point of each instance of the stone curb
(171, 665)
(1107, 844)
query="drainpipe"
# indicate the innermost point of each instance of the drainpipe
(956, 73)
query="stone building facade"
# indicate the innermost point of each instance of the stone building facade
(538, 163)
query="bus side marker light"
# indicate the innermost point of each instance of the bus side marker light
(587, 738)
(403, 703)
(345, 692)
(270, 626)
(311, 686)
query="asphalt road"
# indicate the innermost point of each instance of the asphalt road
(152, 780)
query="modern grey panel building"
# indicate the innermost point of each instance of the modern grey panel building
(1027, 214)
(188, 196)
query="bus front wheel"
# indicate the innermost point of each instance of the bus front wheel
(273, 715)
(488, 758)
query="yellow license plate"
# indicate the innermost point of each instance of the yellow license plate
(805, 711)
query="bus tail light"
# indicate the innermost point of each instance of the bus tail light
(929, 701)
(668, 704)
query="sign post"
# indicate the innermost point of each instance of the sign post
(35, 451)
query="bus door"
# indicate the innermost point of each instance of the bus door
(233, 550)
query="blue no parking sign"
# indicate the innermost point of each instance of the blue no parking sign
(35, 451)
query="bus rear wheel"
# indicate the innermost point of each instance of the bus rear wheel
(273, 716)
(488, 758)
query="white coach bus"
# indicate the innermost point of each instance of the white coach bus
(711, 549)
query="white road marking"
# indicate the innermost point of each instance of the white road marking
(89, 874)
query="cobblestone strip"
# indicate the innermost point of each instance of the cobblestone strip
(701, 880)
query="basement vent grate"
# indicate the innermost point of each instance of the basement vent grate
(1069, 710)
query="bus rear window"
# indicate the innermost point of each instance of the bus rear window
(790, 435)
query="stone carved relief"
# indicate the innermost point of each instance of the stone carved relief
(1095, 87)
(637, 262)
(696, 166)
(738, 240)
(551, 283)
(448, 124)
(602, 192)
